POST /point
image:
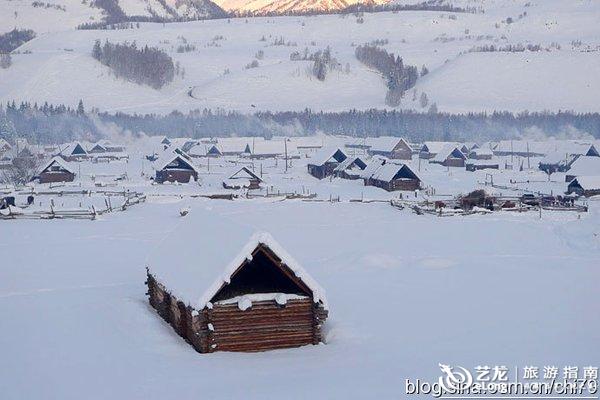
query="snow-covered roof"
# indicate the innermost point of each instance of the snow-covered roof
(60, 162)
(372, 167)
(557, 157)
(570, 147)
(73, 149)
(244, 173)
(436, 147)
(588, 182)
(446, 151)
(385, 143)
(326, 154)
(196, 272)
(273, 148)
(348, 162)
(168, 156)
(389, 170)
(585, 165)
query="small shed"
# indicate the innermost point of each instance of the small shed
(323, 163)
(481, 153)
(476, 165)
(350, 168)
(449, 156)
(56, 170)
(174, 167)
(585, 186)
(243, 178)
(392, 176)
(233, 290)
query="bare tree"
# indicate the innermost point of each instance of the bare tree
(21, 171)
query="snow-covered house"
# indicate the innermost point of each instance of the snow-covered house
(476, 165)
(556, 162)
(74, 152)
(4, 146)
(449, 156)
(585, 186)
(350, 168)
(431, 149)
(390, 147)
(56, 170)
(235, 289)
(392, 176)
(175, 167)
(481, 153)
(322, 164)
(583, 166)
(242, 178)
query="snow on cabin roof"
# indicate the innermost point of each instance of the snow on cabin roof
(482, 151)
(446, 151)
(244, 173)
(557, 157)
(326, 154)
(389, 170)
(588, 182)
(436, 147)
(201, 254)
(169, 156)
(372, 167)
(570, 147)
(585, 165)
(59, 161)
(73, 149)
(385, 143)
(273, 148)
(348, 162)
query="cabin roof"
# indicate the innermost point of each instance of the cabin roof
(171, 155)
(348, 162)
(385, 143)
(59, 161)
(388, 171)
(326, 154)
(448, 150)
(585, 165)
(587, 182)
(196, 271)
(244, 173)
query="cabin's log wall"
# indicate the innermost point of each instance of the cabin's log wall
(264, 326)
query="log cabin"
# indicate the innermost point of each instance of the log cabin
(323, 163)
(587, 186)
(449, 156)
(175, 167)
(391, 177)
(233, 290)
(242, 178)
(56, 170)
(350, 168)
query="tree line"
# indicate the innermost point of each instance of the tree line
(147, 65)
(49, 123)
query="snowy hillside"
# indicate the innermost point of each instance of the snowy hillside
(58, 67)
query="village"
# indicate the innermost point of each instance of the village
(87, 179)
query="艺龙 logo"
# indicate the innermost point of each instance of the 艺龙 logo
(455, 379)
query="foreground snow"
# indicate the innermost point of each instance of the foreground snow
(405, 293)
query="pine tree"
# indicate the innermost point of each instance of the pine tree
(80, 109)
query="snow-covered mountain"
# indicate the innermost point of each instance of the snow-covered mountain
(57, 15)
(287, 6)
